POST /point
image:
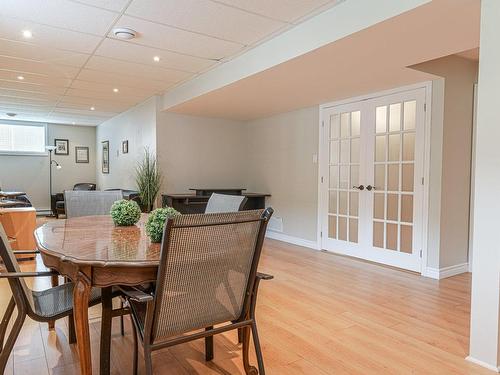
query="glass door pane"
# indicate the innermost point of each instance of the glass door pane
(393, 170)
(344, 161)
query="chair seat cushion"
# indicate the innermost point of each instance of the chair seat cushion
(60, 204)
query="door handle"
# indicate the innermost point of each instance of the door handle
(370, 188)
(360, 187)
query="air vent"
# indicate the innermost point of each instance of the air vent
(124, 33)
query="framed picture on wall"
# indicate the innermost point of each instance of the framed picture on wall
(105, 157)
(81, 154)
(62, 147)
(125, 147)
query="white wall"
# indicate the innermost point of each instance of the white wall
(279, 161)
(31, 173)
(138, 126)
(200, 152)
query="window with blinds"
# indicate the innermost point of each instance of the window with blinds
(22, 138)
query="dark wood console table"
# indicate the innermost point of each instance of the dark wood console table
(195, 203)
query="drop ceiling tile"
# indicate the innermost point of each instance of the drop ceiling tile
(32, 116)
(61, 13)
(14, 95)
(207, 17)
(21, 101)
(120, 96)
(114, 5)
(77, 117)
(21, 86)
(103, 109)
(118, 80)
(125, 68)
(29, 66)
(41, 54)
(48, 36)
(25, 108)
(131, 52)
(34, 79)
(108, 88)
(284, 10)
(169, 38)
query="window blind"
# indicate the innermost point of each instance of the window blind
(21, 138)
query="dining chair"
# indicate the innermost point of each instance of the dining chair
(225, 203)
(207, 277)
(41, 306)
(86, 203)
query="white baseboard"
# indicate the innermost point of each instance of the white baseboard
(483, 364)
(291, 239)
(442, 273)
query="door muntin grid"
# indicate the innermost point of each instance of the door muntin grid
(394, 175)
(344, 131)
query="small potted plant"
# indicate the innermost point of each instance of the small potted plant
(156, 222)
(125, 212)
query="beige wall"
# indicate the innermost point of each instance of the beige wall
(459, 77)
(280, 162)
(138, 126)
(200, 152)
(31, 173)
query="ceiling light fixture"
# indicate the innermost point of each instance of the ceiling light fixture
(20, 78)
(11, 114)
(73, 123)
(156, 58)
(115, 90)
(124, 33)
(27, 34)
(92, 108)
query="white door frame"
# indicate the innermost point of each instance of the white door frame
(427, 131)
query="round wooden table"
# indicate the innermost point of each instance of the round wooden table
(93, 252)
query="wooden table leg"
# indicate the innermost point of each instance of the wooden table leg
(106, 321)
(81, 294)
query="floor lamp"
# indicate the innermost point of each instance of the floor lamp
(58, 166)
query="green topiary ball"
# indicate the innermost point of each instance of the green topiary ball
(156, 222)
(125, 212)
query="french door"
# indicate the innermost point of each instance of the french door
(372, 185)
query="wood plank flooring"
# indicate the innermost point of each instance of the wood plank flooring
(322, 314)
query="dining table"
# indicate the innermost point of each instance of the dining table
(93, 252)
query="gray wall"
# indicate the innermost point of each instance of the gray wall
(280, 162)
(201, 152)
(31, 173)
(138, 126)
(451, 158)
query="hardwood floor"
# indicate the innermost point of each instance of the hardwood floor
(322, 314)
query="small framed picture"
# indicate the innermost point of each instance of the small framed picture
(62, 147)
(105, 157)
(81, 154)
(125, 147)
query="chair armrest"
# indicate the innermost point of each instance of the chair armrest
(135, 294)
(26, 251)
(264, 276)
(16, 275)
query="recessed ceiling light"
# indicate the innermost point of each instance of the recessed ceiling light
(11, 114)
(124, 33)
(92, 108)
(20, 78)
(115, 90)
(73, 123)
(27, 34)
(156, 58)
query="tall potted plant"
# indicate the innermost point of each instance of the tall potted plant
(148, 179)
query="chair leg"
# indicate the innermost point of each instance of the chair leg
(122, 324)
(258, 351)
(71, 329)
(209, 346)
(240, 335)
(249, 370)
(11, 340)
(148, 361)
(136, 348)
(6, 320)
